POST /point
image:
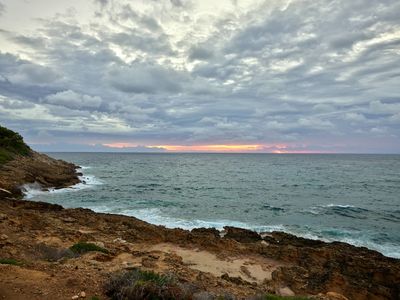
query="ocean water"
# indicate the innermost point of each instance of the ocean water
(350, 198)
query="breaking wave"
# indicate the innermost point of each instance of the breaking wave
(33, 190)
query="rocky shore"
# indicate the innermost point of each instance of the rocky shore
(20, 165)
(48, 252)
(36, 168)
(39, 239)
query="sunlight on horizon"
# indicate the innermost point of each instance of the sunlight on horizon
(235, 148)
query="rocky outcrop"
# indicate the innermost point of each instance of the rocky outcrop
(37, 168)
(20, 165)
(316, 266)
(241, 235)
(40, 235)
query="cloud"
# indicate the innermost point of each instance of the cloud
(2, 9)
(245, 72)
(379, 107)
(200, 53)
(73, 100)
(101, 2)
(144, 78)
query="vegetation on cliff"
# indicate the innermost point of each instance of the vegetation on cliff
(11, 144)
(20, 165)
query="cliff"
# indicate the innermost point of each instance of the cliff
(20, 165)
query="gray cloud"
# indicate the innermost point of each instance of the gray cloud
(168, 72)
(2, 8)
(73, 100)
(143, 78)
(200, 53)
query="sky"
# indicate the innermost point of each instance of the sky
(288, 76)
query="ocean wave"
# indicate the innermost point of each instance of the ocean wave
(345, 210)
(349, 237)
(156, 216)
(84, 167)
(338, 205)
(33, 190)
(272, 208)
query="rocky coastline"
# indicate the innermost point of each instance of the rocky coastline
(36, 168)
(238, 263)
(48, 252)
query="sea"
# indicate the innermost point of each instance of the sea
(345, 197)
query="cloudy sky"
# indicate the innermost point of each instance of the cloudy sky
(176, 75)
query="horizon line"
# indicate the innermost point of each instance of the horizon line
(227, 152)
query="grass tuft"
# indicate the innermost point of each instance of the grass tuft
(276, 297)
(83, 247)
(10, 261)
(138, 284)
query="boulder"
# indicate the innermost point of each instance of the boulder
(241, 235)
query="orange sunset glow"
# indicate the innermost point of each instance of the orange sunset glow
(211, 148)
(273, 148)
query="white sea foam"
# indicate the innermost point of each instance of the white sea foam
(389, 250)
(338, 205)
(155, 216)
(33, 190)
(321, 209)
(84, 167)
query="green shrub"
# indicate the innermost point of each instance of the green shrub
(5, 156)
(82, 247)
(11, 143)
(138, 284)
(276, 297)
(10, 261)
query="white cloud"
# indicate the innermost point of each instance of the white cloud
(203, 71)
(73, 100)
(380, 107)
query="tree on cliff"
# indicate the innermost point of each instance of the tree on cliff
(11, 144)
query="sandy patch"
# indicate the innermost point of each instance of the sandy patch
(250, 269)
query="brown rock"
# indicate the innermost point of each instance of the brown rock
(206, 231)
(235, 280)
(3, 217)
(241, 235)
(35, 168)
(335, 296)
(148, 262)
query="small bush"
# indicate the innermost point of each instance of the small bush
(137, 284)
(10, 261)
(11, 143)
(82, 247)
(5, 156)
(276, 297)
(50, 253)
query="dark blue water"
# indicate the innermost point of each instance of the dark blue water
(351, 198)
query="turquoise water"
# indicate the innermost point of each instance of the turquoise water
(351, 198)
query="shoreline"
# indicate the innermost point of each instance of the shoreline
(221, 230)
(37, 233)
(174, 223)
